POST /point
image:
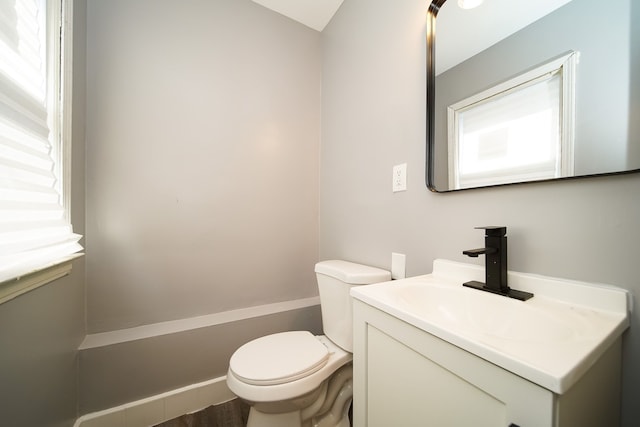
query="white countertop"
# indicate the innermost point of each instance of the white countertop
(551, 339)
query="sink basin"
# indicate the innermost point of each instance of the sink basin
(476, 312)
(551, 339)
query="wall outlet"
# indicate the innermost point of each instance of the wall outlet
(398, 265)
(399, 178)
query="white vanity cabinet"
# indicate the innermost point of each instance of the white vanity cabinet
(404, 376)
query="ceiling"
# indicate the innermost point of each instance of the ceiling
(474, 30)
(315, 14)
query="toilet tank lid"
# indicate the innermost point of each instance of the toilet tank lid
(352, 273)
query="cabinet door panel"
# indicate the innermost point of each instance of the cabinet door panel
(436, 396)
(406, 377)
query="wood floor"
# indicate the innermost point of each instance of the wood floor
(230, 414)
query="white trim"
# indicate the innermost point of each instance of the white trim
(60, 95)
(162, 407)
(13, 288)
(163, 328)
(567, 143)
(66, 104)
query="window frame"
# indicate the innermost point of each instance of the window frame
(59, 51)
(566, 66)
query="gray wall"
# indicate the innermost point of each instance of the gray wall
(203, 134)
(374, 117)
(40, 331)
(202, 159)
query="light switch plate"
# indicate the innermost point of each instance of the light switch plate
(399, 178)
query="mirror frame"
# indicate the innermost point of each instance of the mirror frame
(432, 13)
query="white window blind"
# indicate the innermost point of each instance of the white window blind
(35, 231)
(514, 137)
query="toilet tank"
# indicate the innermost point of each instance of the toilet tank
(335, 280)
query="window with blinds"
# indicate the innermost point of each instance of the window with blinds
(35, 230)
(520, 130)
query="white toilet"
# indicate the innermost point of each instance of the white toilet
(296, 379)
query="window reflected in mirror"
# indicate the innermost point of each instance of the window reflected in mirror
(520, 130)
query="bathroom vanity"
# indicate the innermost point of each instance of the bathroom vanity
(428, 351)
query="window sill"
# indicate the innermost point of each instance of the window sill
(13, 288)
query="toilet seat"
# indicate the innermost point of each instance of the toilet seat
(279, 358)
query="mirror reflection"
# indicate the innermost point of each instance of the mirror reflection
(529, 91)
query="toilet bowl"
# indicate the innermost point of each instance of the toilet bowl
(296, 379)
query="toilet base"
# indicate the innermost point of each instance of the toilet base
(257, 418)
(293, 419)
(330, 409)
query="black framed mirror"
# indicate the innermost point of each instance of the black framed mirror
(504, 64)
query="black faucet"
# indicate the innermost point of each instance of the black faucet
(495, 252)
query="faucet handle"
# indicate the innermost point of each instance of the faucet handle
(494, 230)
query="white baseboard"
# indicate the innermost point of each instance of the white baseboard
(162, 407)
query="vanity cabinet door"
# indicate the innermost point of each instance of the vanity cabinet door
(406, 377)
